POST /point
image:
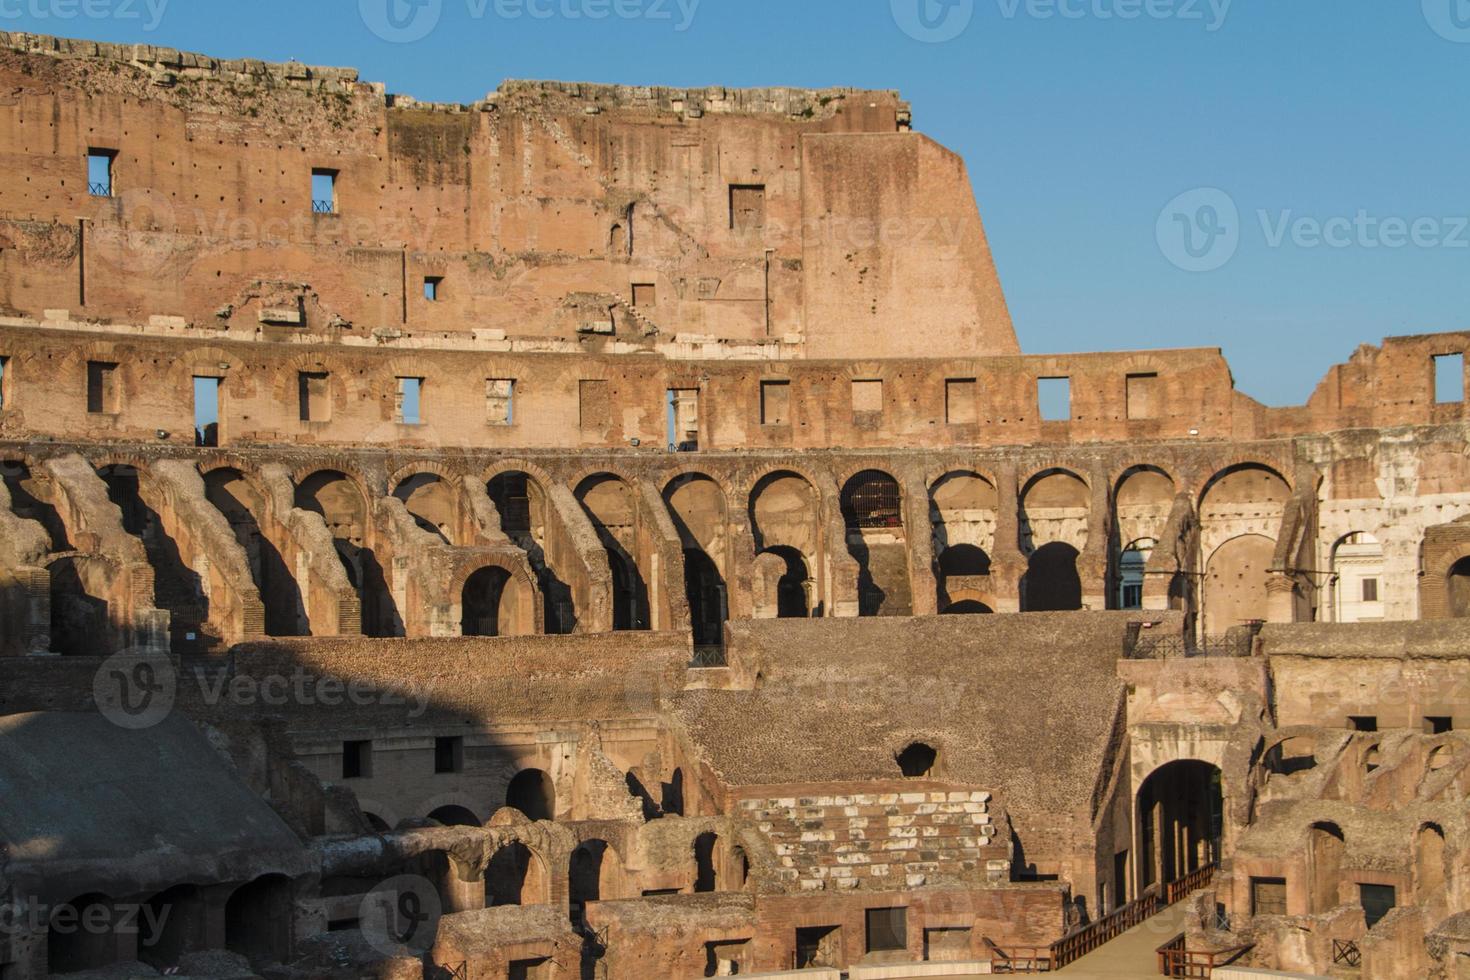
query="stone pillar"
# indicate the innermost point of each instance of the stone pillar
(1092, 564)
(1007, 564)
(1280, 598)
(919, 538)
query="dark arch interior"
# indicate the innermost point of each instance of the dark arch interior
(532, 793)
(967, 607)
(1459, 589)
(705, 877)
(1052, 583)
(455, 816)
(480, 602)
(1180, 818)
(917, 760)
(872, 499)
(258, 920)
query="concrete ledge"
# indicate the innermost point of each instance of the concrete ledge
(1245, 973)
(802, 974)
(913, 971)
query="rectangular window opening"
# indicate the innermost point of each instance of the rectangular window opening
(206, 411)
(818, 946)
(1370, 590)
(959, 401)
(1268, 896)
(1143, 396)
(1439, 725)
(100, 171)
(747, 207)
(323, 191)
(316, 404)
(410, 401)
(500, 396)
(683, 420)
(1363, 723)
(1449, 378)
(4, 382)
(357, 759)
(432, 285)
(1054, 395)
(948, 944)
(102, 393)
(775, 403)
(645, 294)
(448, 754)
(887, 930)
(537, 969)
(1377, 902)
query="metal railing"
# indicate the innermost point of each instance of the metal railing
(99, 190)
(1145, 646)
(711, 655)
(323, 207)
(1345, 952)
(1175, 959)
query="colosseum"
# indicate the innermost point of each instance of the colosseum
(613, 532)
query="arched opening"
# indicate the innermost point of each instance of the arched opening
(740, 866)
(343, 507)
(522, 506)
(1235, 582)
(1429, 869)
(786, 523)
(258, 920)
(172, 925)
(430, 501)
(612, 507)
(673, 794)
(74, 943)
(1051, 582)
(234, 497)
(1180, 821)
(376, 823)
(488, 604)
(872, 509)
(80, 612)
(516, 875)
(917, 761)
(1325, 847)
(532, 793)
(962, 516)
(177, 587)
(706, 878)
(697, 506)
(30, 500)
(1458, 589)
(1357, 579)
(967, 607)
(456, 816)
(1132, 563)
(592, 876)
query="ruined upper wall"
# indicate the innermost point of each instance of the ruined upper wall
(550, 211)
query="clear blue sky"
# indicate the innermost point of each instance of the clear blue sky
(1078, 130)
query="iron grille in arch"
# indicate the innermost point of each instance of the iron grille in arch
(873, 501)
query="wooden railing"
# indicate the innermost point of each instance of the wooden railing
(1175, 959)
(1074, 946)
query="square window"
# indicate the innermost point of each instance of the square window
(100, 172)
(432, 285)
(1268, 896)
(867, 398)
(1370, 590)
(206, 411)
(500, 396)
(747, 207)
(1449, 378)
(1439, 725)
(1054, 396)
(410, 400)
(1363, 723)
(818, 946)
(1377, 902)
(1143, 396)
(448, 754)
(959, 401)
(645, 294)
(357, 759)
(535, 969)
(316, 403)
(775, 403)
(949, 944)
(102, 393)
(887, 930)
(323, 191)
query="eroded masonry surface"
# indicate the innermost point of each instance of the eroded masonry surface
(611, 532)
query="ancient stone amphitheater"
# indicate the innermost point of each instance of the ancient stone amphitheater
(609, 532)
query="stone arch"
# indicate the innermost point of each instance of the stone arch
(1235, 583)
(258, 922)
(1356, 585)
(238, 496)
(1326, 845)
(963, 512)
(784, 509)
(1429, 865)
(342, 502)
(872, 512)
(1457, 588)
(706, 862)
(594, 874)
(494, 601)
(696, 503)
(432, 502)
(526, 512)
(1056, 505)
(516, 875)
(1180, 819)
(456, 815)
(180, 914)
(533, 793)
(612, 505)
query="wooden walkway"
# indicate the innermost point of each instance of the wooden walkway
(1132, 955)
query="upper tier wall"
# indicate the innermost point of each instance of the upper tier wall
(782, 217)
